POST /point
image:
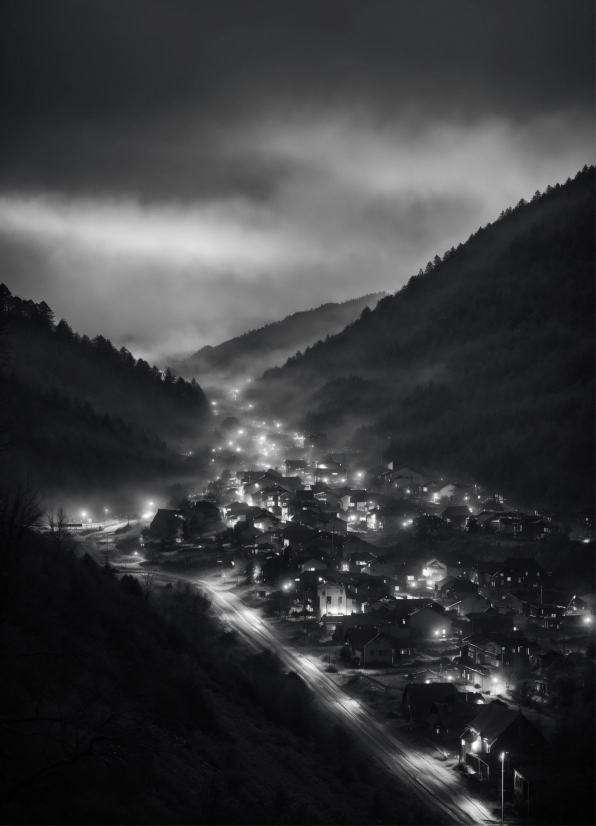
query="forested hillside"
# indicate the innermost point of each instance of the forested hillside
(124, 702)
(79, 413)
(255, 351)
(482, 365)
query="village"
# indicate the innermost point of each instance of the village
(415, 593)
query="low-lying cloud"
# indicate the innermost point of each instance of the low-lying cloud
(354, 206)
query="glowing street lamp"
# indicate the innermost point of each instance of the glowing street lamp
(503, 786)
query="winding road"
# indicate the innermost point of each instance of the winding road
(432, 782)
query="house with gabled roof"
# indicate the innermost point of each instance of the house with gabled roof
(516, 572)
(454, 587)
(167, 525)
(367, 647)
(379, 566)
(498, 729)
(457, 515)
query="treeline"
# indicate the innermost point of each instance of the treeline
(100, 351)
(481, 366)
(79, 416)
(123, 701)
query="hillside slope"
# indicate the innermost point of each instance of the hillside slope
(481, 366)
(125, 703)
(78, 414)
(255, 351)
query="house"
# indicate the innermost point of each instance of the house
(498, 729)
(418, 698)
(167, 525)
(312, 563)
(548, 615)
(428, 623)
(265, 521)
(450, 564)
(368, 647)
(295, 465)
(519, 571)
(354, 543)
(355, 500)
(201, 517)
(331, 473)
(378, 475)
(454, 587)
(391, 518)
(380, 567)
(457, 516)
(473, 603)
(335, 598)
(359, 560)
(488, 622)
(405, 479)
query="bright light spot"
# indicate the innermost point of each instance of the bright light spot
(213, 402)
(147, 515)
(240, 432)
(230, 444)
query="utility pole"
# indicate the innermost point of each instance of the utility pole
(503, 787)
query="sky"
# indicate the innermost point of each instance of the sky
(174, 173)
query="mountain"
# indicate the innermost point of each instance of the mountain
(253, 352)
(481, 366)
(78, 414)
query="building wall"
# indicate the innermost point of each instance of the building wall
(377, 651)
(430, 624)
(333, 599)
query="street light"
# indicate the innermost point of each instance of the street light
(503, 786)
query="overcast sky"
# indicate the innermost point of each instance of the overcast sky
(174, 173)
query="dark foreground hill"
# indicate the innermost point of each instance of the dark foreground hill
(481, 366)
(123, 704)
(252, 353)
(78, 414)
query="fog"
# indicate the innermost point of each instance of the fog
(360, 209)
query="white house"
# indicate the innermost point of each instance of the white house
(334, 598)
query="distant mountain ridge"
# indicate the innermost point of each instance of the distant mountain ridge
(257, 350)
(483, 364)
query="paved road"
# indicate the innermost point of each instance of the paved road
(431, 781)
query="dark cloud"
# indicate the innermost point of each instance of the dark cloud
(173, 172)
(108, 95)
